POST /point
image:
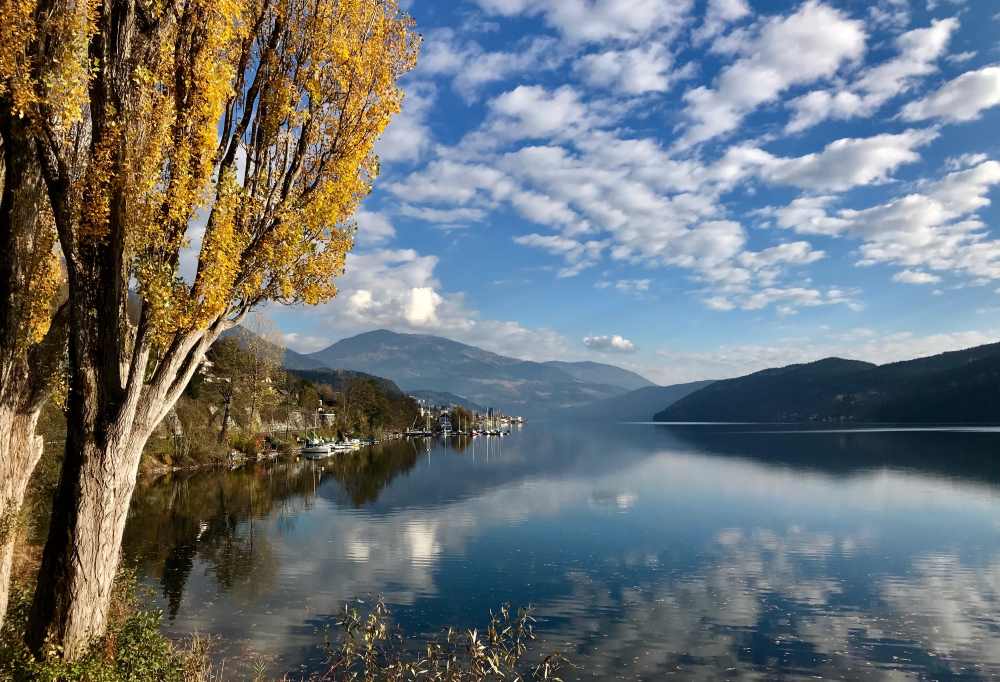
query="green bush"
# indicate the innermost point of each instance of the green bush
(249, 444)
(132, 650)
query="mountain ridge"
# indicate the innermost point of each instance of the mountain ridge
(637, 405)
(955, 387)
(435, 363)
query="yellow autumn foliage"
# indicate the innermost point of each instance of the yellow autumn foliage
(238, 135)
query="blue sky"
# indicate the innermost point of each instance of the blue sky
(690, 189)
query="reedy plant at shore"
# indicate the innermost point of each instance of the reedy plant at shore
(369, 649)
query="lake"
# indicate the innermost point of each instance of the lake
(647, 551)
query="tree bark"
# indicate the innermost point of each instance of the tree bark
(27, 368)
(23, 450)
(104, 442)
(81, 555)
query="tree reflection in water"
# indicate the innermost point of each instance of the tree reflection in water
(210, 515)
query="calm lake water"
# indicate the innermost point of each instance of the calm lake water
(698, 552)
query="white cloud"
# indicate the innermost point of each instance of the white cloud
(935, 229)
(918, 50)
(373, 228)
(633, 72)
(719, 15)
(797, 253)
(304, 343)
(964, 161)
(578, 255)
(397, 289)
(408, 136)
(786, 300)
(860, 344)
(599, 20)
(421, 307)
(961, 99)
(892, 14)
(915, 277)
(841, 165)
(609, 344)
(626, 286)
(811, 44)
(531, 111)
(445, 216)
(472, 68)
(446, 181)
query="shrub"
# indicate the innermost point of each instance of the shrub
(132, 650)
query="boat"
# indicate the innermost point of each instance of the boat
(316, 448)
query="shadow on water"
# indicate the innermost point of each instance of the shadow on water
(969, 455)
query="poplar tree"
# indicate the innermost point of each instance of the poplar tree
(234, 134)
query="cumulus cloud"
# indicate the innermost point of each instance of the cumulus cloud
(408, 136)
(959, 100)
(810, 44)
(718, 16)
(842, 164)
(915, 277)
(626, 286)
(584, 21)
(578, 255)
(397, 289)
(443, 216)
(373, 228)
(634, 71)
(472, 68)
(935, 229)
(609, 344)
(918, 50)
(531, 111)
(305, 343)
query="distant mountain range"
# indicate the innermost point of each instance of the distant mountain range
(420, 362)
(637, 405)
(957, 387)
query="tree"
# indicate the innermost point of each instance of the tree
(31, 332)
(248, 122)
(265, 351)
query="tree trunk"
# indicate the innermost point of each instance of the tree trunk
(225, 419)
(82, 552)
(24, 448)
(106, 432)
(27, 367)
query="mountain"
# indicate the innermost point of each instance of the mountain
(637, 405)
(425, 362)
(338, 379)
(445, 398)
(599, 373)
(956, 387)
(291, 359)
(297, 361)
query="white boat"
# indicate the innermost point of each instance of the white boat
(316, 449)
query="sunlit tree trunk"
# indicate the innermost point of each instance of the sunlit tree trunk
(21, 450)
(29, 354)
(106, 433)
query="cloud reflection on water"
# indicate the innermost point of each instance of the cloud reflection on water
(677, 555)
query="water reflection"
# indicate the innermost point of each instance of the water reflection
(702, 552)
